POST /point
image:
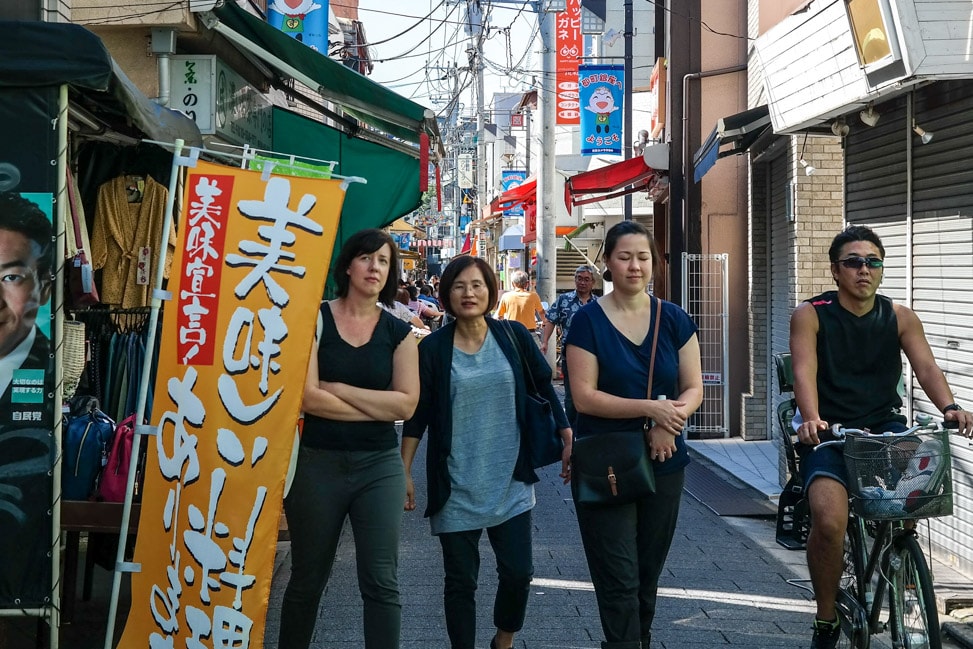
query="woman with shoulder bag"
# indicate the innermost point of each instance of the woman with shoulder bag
(614, 345)
(479, 475)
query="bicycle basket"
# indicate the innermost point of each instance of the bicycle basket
(891, 478)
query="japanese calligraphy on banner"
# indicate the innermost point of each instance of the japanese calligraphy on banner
(252, 259)
(569, 44)
(602, 91)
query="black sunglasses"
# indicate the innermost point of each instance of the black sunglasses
(858, 262)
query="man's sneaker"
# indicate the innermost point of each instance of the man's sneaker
(825, 634)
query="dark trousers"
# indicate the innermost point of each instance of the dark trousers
(626, 547)
(368, 487)
(512, 545)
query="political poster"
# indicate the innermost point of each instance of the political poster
(247, 280)
(28, 256)
(602, 92)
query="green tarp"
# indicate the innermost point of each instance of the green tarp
(393, 177)
(370, 102)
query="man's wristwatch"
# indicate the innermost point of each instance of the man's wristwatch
(951, 406)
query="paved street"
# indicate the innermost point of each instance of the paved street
(725, 585)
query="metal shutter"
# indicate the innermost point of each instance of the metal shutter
(782, 266)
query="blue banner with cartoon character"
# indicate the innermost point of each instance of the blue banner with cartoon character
(511, 179)
(303, 20)
(601, 90)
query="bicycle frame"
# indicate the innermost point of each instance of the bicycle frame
(872, 591)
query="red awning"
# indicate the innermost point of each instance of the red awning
(615, 180)
(514, 196)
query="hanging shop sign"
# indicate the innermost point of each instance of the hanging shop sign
(246, 282)
(220, 101)
(569, 44)
(302, 20)
(602, 91)
(511, 179)
(657, 98)
(464, 171)
(28, 181)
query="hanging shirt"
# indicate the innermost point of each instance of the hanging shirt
(126, 241)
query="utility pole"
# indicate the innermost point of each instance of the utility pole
(627, 107)
(546, 214)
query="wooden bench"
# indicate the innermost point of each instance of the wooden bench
(84, 517)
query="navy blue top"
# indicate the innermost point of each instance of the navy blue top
(623, 367)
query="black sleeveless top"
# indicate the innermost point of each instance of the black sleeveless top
(859, 363)
(369, 367)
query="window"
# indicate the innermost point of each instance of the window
(876, 42)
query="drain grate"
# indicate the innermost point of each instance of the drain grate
(724, 498)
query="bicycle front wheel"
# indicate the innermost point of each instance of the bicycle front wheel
(912, 602)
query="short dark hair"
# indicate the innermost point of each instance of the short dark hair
(625, 228)
(854, 233)
(365, 242)
(453, 270)
(17, 214)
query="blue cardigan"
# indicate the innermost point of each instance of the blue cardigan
(434, 410)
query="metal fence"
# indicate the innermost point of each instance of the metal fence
(704, 298)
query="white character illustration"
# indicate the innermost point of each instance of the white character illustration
(602, 104)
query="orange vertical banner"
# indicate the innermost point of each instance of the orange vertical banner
(569, 44)
(247, 279)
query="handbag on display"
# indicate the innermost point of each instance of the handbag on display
(614, 468)
(544, 444)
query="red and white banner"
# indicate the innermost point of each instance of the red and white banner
(569, 43)
(247, 281)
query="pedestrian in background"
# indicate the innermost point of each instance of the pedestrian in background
(560, 315)
(362, 377)
(608, 350)
(521, 304)
(478, 473)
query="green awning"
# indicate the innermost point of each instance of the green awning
(392, 190)
(370, 102)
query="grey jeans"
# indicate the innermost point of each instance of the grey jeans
(368, 487)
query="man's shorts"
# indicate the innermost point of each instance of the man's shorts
(829, 462)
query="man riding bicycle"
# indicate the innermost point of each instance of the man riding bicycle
(846, 352)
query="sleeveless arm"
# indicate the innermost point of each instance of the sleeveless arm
(804, 360)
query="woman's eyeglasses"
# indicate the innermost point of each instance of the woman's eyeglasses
(858, 262)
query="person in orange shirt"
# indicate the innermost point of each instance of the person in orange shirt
(521, 304)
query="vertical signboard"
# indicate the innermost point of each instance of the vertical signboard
(302, 20)
(511, 179)
(247, 279)
(602, 91)
(569, 43)
(28, 182)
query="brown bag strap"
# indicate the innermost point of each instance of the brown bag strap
(655, 344)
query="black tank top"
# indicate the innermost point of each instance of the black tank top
(368, 366)
(859, 363)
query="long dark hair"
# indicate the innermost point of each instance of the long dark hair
(365, 242)
(625, 228)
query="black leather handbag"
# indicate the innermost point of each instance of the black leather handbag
(544, 443)
(614, 468)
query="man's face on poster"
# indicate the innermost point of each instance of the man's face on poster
(22, 289)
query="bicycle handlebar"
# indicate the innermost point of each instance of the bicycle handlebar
(839, 432)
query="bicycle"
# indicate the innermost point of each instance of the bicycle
(894, 479)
